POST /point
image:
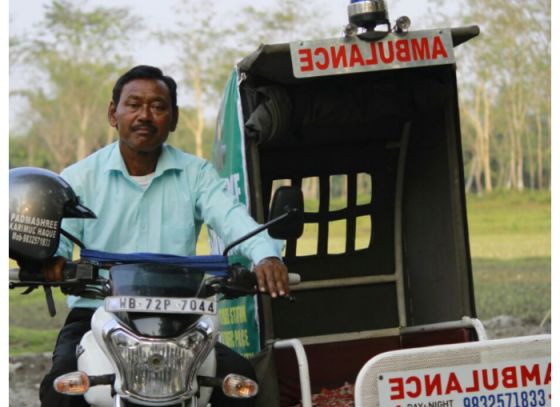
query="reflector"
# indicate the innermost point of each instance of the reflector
(237, 386)
(74, 383)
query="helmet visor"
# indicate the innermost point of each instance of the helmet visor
(76, 210)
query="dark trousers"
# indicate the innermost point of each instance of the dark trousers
(64, 361)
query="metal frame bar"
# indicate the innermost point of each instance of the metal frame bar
(465, 322)
(303, 368)
(343, 282)
(399, 268)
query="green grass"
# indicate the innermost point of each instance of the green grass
(31, 327)
(31, 340)
(510, 249)
(518, 287)
(509, 226)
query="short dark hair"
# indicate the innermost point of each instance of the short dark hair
(145, 72)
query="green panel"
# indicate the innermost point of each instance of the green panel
(239, 317)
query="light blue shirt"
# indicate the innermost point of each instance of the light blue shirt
(165, 217)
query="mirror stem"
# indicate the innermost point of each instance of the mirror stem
(258, 230)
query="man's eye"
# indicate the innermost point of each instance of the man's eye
(159, 107)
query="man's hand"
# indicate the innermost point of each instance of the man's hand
(52, 268)
(272, 276)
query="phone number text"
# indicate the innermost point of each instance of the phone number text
(526, 398)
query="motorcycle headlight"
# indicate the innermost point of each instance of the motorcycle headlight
(159, 369)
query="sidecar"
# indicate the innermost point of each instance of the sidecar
(385, 312)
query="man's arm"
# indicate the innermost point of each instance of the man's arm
(230, 220)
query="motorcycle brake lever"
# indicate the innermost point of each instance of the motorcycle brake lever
(50, 300)
(28, 290)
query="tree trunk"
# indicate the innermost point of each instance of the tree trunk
(511, 179)
(110, 137)
(485, 140)
(196, 125)
(479, 117)
(530, 161)
(519, 169)
(470, 178)
(82, 148)
(539, 152)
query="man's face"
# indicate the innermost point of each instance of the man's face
(144, 115)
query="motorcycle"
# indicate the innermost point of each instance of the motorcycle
(153, 341)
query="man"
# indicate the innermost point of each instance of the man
(151, 197)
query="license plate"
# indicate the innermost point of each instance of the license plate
(161, 305)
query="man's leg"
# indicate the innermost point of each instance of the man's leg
(230, 361)
(64, 359)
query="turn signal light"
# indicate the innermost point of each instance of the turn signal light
(239, 387)
(73, 384)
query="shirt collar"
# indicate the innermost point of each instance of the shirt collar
(167, 161)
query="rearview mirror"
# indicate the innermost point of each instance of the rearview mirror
(287, 200)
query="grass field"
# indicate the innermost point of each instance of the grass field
(510, 248)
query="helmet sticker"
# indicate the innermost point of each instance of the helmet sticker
(33, 230)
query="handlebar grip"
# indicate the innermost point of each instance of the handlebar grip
(294, 279)
(14, 275)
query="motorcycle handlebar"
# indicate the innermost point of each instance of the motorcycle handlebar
(71, 274)
(14, 275)
(294, 278)
(242, 280)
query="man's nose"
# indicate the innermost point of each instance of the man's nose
(145, 112)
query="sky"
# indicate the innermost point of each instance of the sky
(25, 13)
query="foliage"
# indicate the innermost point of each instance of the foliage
(283, 21)
(203, 65)
(76, 55)
(207, 51)
(506, 94)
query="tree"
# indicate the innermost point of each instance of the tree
(210, 45)
(200, 58)
(284, 21)
(76, 54)
(478, 116)
(506, 92)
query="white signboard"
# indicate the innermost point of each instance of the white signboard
(351, 55)
(519, 383)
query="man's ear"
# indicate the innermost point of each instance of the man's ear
(111, 115)
(175, 119)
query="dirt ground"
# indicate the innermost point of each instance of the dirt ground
(26, 371)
